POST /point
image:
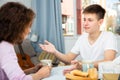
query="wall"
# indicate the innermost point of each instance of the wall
(69, 43)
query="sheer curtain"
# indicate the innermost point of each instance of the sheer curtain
(47, 24)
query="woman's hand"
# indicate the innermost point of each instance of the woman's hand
(37, 67)
(33, 69)
(44, 72)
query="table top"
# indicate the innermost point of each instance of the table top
(57, 73)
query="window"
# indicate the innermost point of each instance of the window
(71, 17)
(68, 23)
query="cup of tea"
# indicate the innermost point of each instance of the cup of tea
(86, 64)
(46, 62)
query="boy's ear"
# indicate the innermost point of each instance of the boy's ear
(101, 21)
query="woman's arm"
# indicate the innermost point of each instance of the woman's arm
(42, 73)
(33, 69)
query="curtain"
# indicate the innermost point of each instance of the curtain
(47, 24)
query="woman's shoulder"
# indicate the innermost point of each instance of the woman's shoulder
(5, 43)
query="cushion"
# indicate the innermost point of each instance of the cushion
(27, 48)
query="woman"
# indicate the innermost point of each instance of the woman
(15, 24)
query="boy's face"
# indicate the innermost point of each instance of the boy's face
(91, 24)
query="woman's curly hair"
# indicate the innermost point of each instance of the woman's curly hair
(14, 18)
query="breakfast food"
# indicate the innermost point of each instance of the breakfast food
(74, 77)
(93, 74)
(79, 75)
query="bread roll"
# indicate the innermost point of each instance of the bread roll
(73, 77)
(93, 74)
(79, 73)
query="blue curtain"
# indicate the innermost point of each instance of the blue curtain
(47, 24)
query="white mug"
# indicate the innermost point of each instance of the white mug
(46, 62)
(86, 64)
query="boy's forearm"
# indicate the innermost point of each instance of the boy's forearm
(62, 57)
(96, 63)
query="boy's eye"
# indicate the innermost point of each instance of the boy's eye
(90, 20)
(84, 19)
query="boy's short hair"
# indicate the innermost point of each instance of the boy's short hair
(96, 9)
